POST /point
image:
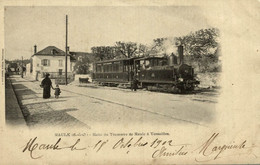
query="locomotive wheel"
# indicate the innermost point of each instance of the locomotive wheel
(191, 88)
(176, 89)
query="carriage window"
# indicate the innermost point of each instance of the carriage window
(137, 67)
(98, 68)
(115, 67)
(160, 63)
(147, 64)
(165, 62)
(152, 61)
(125, 68)
(105, 68)
(156, 62)
(142, 64)
(120, 67)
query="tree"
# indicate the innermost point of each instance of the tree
(82, 66)
(126, 49)
(201, 42)
(202, 46)
(157, 46)
(143, 50)
(98, 52)
(104, 52)
(120, 50)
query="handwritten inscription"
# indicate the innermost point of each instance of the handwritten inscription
(163, 152)
(123, 144)
(208, 150)
(32, 145)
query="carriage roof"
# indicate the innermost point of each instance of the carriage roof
(151, 57)
(113, 60)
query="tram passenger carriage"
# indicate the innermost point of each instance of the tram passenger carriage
(153, 73)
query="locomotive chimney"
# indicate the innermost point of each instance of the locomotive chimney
(180, 52)
(35, 49)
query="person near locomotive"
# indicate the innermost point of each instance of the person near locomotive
(134, 83)
(46, 84)
(132, 77)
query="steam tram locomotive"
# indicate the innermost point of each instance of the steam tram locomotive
(153, 73)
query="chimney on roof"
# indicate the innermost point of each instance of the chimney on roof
(180, 52)
(35, 49)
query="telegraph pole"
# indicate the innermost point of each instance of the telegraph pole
(66, 50)
(22, 67)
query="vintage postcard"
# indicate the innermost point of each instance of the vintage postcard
(130, 82)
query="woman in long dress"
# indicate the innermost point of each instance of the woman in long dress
(47, 85)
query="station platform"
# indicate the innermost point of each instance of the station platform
(13, 112)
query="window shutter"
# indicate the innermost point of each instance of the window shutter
(42, 62)
(49, 62)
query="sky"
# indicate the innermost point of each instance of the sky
(94, 26)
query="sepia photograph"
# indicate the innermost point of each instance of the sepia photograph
(130, 83)
(115, 69)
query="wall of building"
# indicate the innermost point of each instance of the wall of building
(28, 66)
(72, 64)
(54, 64)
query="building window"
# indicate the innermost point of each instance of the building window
(60, 63)
(99, 68)
(60, 71)
(45, 62)
(53, 52)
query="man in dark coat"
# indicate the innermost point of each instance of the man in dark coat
(47, 85)
(134, 83)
